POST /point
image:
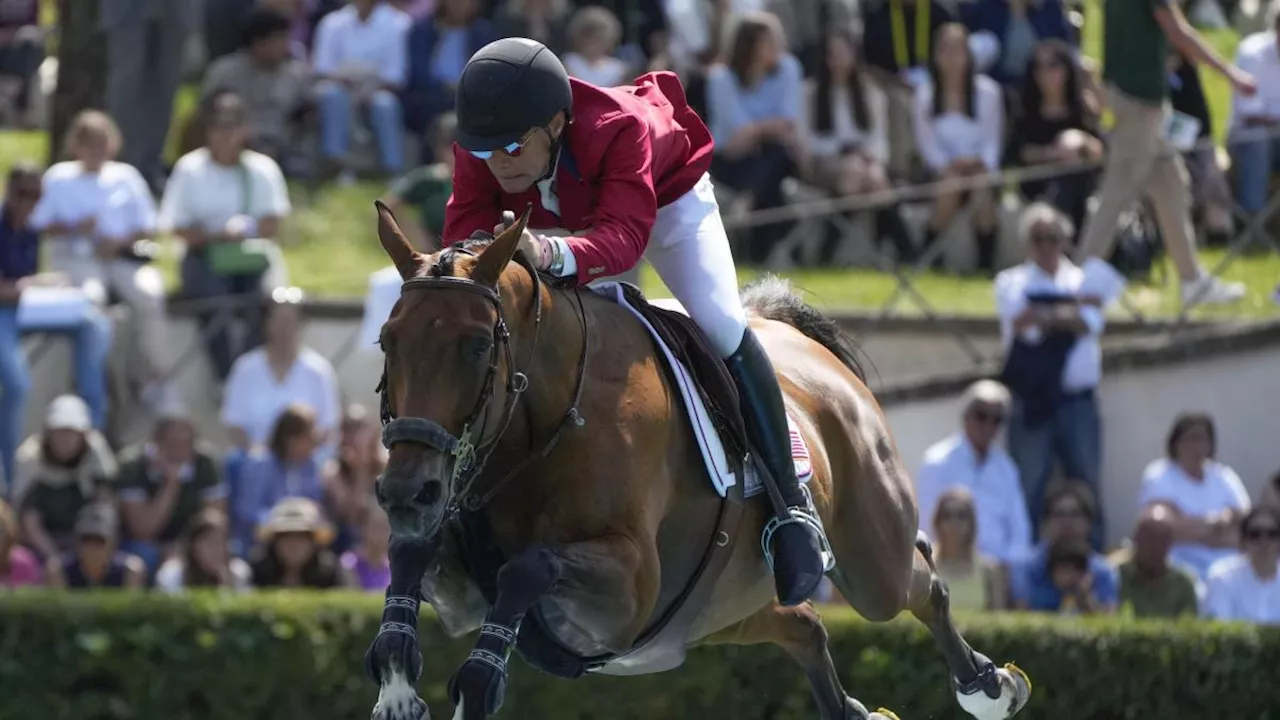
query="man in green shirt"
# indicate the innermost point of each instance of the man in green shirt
(1149, 585)
(1136, 39)
(426, 189)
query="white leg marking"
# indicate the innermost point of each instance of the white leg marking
(457, 712)
(398, 700)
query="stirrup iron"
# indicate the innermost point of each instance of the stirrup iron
(797, 516)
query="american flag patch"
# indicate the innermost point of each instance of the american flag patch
(799, 452)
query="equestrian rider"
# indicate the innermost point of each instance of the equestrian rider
(625, 169)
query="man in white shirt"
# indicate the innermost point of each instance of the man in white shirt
(1255, 120)
(1053, 360)
(1246, 587)
(972, 459)
(360, 60)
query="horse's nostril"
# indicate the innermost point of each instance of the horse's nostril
(429, 494)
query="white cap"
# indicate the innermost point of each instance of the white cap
(68, 412)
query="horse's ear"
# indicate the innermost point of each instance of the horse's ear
(395, 243)
(494, 259)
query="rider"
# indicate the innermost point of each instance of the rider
(624, 169)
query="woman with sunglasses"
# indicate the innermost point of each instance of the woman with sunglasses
(1246, 586)
(976, 581)
(625, 170)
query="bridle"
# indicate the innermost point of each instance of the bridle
(470, 454)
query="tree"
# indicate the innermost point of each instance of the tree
(82, 67)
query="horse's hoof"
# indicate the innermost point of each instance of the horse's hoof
(397, 700)
(883, 714)
(1015, 691)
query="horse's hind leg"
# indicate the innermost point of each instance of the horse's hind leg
(983, 690)
(799, 631)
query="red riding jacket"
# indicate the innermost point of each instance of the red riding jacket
(629, 151)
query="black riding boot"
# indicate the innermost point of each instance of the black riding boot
(796, 542)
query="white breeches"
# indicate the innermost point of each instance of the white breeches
(690, 250)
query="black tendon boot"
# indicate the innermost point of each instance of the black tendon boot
(794, 542)
(986, 241)
(889, 224)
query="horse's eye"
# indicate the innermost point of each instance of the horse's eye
(477, 347)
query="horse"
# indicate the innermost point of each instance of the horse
(532, 428)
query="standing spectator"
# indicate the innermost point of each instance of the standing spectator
(959, 128)
(1255, 118)
(1053, 360)
(21, 52)
(368, 562)
(426, 189)
(754, 104)
(1136, 38)
(1210, 192)
(93, 211)
(146, 41)
(18, 565)
(1207, 495)
(94, 561)
(594, 33)
(1246, 587)
(90, 330)
(205, 559)
(227, 203)
(1062, 574)
(360, 60)
(1016, 26)
(543, 20)
(294, 549)
(971, 459)
(1150, 585)
(285, 468)
(59, 472)
(439, 47)
(975, 581)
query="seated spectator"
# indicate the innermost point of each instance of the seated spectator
(282, 372)
(1056, 125)
(1246, 586)
(754, 104)
(438, 49)
(976, 581)
(543, 20)
(644, 26)
(1207, 495)
(426, 189)
(807, 25)
(21, 52)
(286, 468)
(93, 212)
(1150, 585)
(94, 560)
(847, 136)
(204, 559)
(959, 129)
(900, 36)
(359, 61)
(351, 481)
(1210, 192)
(274, 86)
(415, 9)
(44, 298)
(1015, 27)
(162, 485)
(972, 459)
(594, 33)
(1062, 574)
(18, 565)
(368, 562)
(1053, 360)
(1254, 144)
(697, 33)
(293, 549)
(60, 471)
(303, 17)
(226, 202)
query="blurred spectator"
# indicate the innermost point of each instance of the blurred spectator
(426, 189)
(222, 22)
(227, 203)
(368, 562)
(1210, 193)
(285, 468)
(1015, 27)
(205, 560)
(971, 459)
(93, 213)
(541, 20)
(1207, 495)
(303, 17)
(808, 25)
(1057, 125)
(439, 48)
(1255, 118)
(360, 63)
(1150, 585)
(21, 51)
(1054, 578)
(900, 36)
(847, 136)
(294, 549)
(274, 86)
(959, 129)
(146, 42)
(415, 9)
(1053, 360)
(60, 471)
(593, 35)
(1246, 586)
(94, 560)
(45, 300)
(1271, 493)
(352, 479)
(18, 565)
(162, 485)
(644, 26)
(975, 581)
(698, 30)
(754, 104)
(282, 372)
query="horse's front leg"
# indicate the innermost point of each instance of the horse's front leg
(394, 660)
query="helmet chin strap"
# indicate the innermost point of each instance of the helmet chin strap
(557, 142)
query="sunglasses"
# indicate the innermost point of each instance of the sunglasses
(1261, 534)
(512, 149)
(988, 418)
(1047, 238)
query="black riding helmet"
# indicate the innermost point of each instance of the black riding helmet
(508, 87)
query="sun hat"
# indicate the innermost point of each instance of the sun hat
(296, 515)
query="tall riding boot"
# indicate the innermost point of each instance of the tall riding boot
(794, 543)
(986, 241)
(889, 224)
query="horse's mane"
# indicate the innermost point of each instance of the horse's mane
(473, 245)
(771, 297)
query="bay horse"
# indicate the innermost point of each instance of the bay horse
(536, 422)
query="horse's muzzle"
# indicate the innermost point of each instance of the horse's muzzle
(413, 496)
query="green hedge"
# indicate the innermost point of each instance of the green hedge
(285, 656)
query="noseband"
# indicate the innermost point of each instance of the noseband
(470, 454)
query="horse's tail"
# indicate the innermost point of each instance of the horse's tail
(772, 298)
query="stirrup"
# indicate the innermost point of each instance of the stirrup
(807, 516)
